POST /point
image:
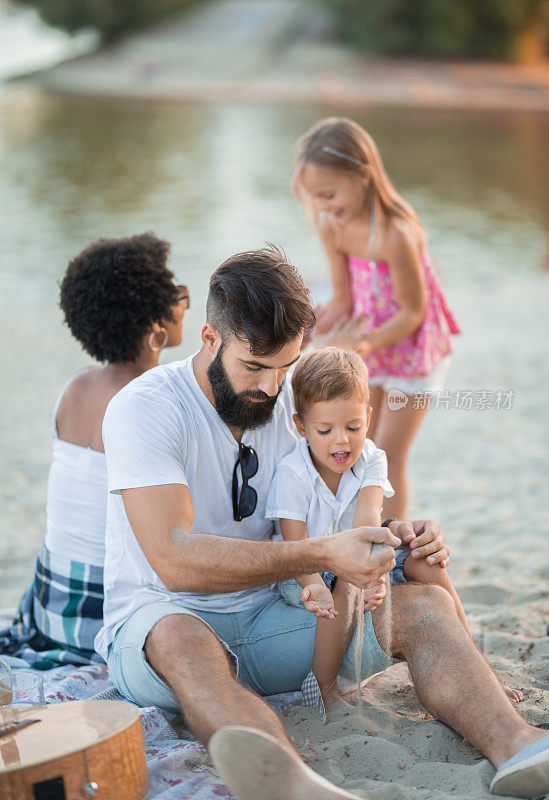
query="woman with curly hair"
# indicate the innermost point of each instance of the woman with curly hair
(120, 302)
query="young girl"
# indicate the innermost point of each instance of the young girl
(377, 251)
(335, 479)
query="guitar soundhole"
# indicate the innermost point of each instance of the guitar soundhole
(53, 789)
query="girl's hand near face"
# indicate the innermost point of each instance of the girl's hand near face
(348, 334)
(328, 315)
(319, 601)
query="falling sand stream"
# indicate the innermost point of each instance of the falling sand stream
(358, 614)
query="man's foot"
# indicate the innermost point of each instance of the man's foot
(526, 774)
(514, 695)
(256, 766)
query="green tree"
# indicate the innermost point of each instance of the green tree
(110, 18)
(445, 28)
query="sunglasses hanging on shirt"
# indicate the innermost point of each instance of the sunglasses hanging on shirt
(245, 503)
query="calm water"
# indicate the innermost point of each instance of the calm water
(214, 179)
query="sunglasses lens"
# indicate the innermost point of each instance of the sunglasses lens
(248, 501)
(249, 462)
(183, 296)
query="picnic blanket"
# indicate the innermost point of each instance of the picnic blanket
(179, 767)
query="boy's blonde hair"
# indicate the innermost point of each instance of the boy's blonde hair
(326, 374)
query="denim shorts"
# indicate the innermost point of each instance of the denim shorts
(396, 575)
(290, 590)
(271, 646)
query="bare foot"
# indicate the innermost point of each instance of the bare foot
(330, 696)
(335, 711)
(514, 695)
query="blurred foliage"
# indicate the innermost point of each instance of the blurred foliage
(445, 28)
(110, 18)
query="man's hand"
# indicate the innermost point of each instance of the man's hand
(318, 600)
(350, 558)
(375, 595)
(425, 538)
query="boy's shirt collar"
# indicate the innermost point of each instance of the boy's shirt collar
(350, 480)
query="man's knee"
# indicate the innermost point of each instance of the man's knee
(425, 607)
(183, 639)
(413, 610)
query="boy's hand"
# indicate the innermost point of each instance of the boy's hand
(319, 601)
(375, 595)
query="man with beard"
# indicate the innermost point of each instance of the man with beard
(190, 621)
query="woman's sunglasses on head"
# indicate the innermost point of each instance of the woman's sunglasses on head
(183, 296)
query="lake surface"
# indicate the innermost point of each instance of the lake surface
(215, 179)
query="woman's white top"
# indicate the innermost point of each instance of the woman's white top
(76, 508)
(298, 492)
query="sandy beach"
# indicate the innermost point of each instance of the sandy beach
(393, 748)
(482, 473)
(214, 179)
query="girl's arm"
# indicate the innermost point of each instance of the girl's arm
(293, 530)
(404, 259)
(341, 304)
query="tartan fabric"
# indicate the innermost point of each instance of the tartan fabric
(59, 616)
(312, 698)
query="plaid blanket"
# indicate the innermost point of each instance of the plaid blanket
(179, 767)
(59, 616)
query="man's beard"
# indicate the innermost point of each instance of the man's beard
(234, 408)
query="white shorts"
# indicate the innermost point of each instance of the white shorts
(433, 382)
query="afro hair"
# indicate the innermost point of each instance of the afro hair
(113, 291)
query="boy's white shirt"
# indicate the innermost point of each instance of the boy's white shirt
(298, 491)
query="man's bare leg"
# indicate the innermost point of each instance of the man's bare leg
(452, 679)
(185, 653)
(248, 743)
(420, 571)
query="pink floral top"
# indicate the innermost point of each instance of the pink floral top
(374, 296)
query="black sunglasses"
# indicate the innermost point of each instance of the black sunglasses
(244, 506)
(183, 296)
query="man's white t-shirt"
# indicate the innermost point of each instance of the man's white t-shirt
(161, 429)
(298, 492)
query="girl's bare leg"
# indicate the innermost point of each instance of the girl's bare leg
(418, 571)
(394, 432)
(332, 638)
(376, 399)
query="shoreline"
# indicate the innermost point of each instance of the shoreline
(282, 52)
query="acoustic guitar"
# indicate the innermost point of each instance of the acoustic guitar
(79, 750)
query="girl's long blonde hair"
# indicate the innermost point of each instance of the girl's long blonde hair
(342, 144)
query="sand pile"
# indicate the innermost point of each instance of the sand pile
(394, 749)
